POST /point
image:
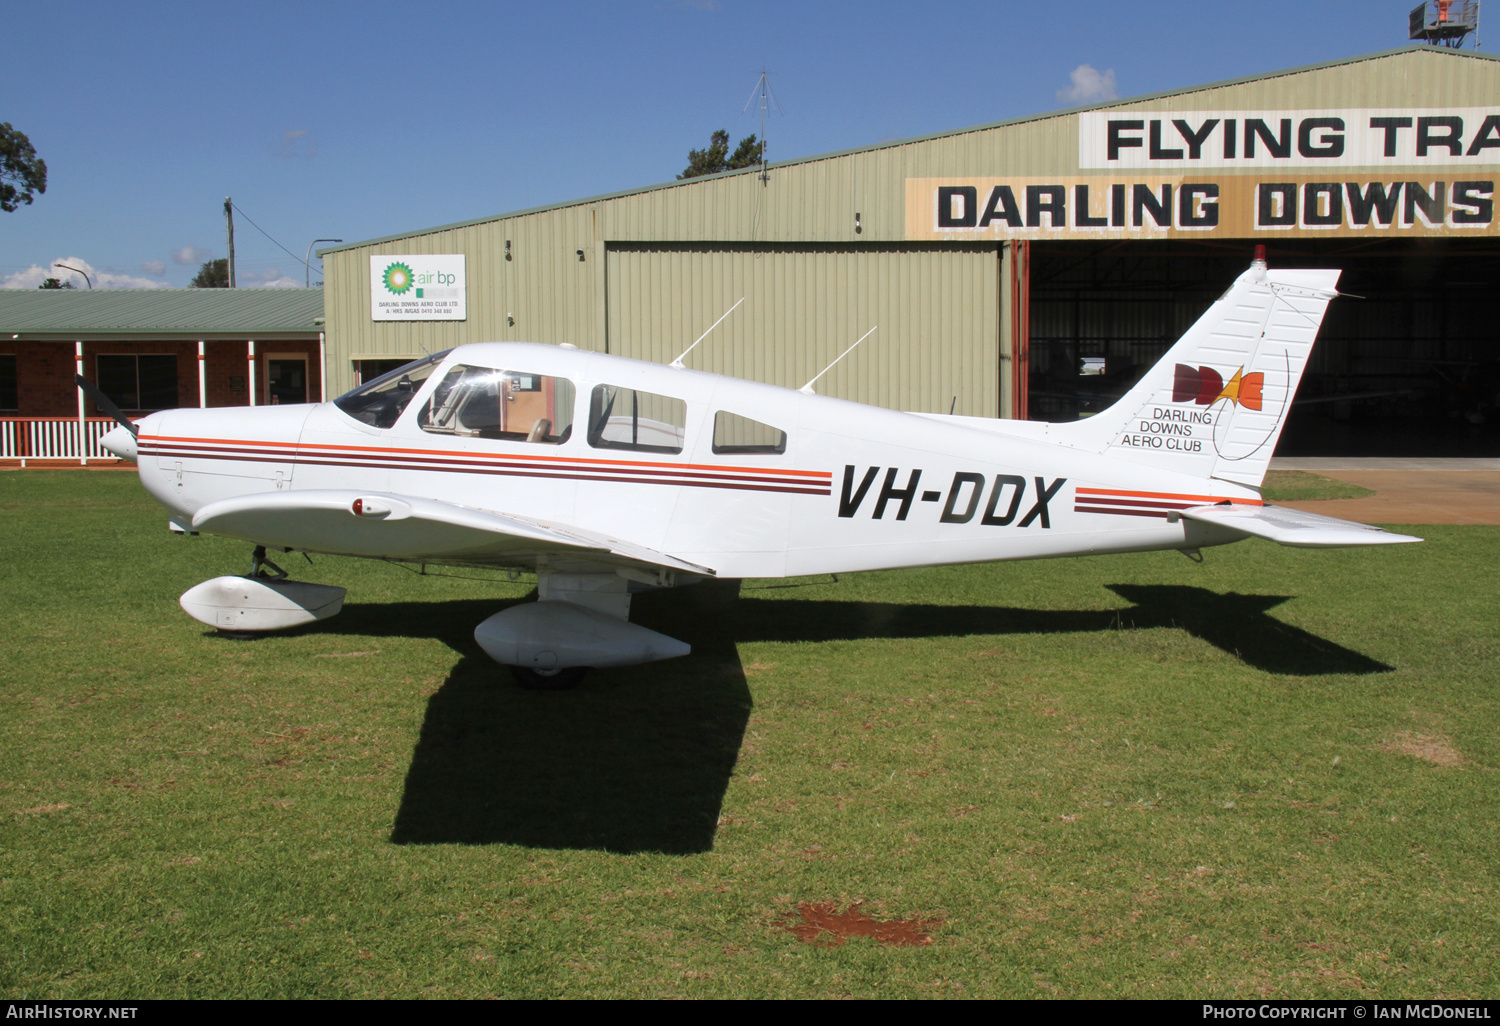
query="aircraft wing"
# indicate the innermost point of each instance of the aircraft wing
(1287, 526)
(385, 525)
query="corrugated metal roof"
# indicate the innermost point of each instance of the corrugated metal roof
(1126, 101)
(198, 313)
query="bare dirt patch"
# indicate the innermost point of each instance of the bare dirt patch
(821, 923)
(1433, 748)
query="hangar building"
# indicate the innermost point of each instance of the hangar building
(1029, 268)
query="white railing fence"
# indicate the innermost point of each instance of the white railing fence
(54, 438)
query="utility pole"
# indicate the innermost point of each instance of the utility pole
(229, 222)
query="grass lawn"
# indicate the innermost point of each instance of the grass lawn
(1272, 774)
(1300, 485)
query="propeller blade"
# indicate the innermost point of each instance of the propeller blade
(104, 403)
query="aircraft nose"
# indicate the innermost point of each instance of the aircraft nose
(120, 442)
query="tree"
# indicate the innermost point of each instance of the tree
(214, 274)
(55, 283)
(718, 158)
(22, 172)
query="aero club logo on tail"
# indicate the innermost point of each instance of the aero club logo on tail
(1204, 386)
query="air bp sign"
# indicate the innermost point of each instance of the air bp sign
(418, 288)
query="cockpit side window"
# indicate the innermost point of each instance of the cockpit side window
(381, 402)
(740, 436)
(514, 405)
(623, 418)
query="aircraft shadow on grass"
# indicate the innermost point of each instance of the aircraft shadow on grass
(639, 759)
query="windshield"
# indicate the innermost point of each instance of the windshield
(381, 402)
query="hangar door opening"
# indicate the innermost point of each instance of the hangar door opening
(1407, 362)
(937, 347)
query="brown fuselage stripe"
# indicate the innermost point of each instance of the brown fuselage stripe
(1128, 503)
(252, 445)
(1084, 500)
(1123, 512)
(1194, 500)
(401, 462)
(616, 472)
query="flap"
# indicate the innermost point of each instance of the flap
(385, 525)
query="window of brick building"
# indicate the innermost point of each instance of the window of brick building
(139, 382)
(9, 393)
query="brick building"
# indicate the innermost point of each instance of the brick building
(158, 349)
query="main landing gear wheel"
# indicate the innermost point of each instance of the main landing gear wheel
(548, 680)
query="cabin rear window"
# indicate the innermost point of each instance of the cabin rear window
(623, 418)
(518, 406)
(736, 435)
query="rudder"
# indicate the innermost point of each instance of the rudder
(1216, 403)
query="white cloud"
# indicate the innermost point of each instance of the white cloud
(30, 278)
(190, 255)
(34, 275)
(1089, 86)
(156, 268)
(106, 280)
(295, 144)
(270, 278)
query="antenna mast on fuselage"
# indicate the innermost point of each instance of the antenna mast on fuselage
(807, 389)
(678, 362)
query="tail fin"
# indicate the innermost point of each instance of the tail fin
(1215, 404)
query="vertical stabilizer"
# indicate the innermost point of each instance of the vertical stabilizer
(1215, 404)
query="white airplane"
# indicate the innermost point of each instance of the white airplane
(604, 476)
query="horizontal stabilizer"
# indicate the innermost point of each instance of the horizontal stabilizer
(414, 529)
(1286, 526)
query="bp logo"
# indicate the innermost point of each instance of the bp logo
(397, 278)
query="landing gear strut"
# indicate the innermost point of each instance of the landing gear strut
(258, 563)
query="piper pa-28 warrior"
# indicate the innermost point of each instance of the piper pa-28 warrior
(604, 475)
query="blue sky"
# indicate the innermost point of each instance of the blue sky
(359, 120)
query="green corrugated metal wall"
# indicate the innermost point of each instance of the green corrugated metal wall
(546, 293)
(936, 309)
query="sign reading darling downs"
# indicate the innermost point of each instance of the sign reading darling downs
(1363, 172)
(412, 287)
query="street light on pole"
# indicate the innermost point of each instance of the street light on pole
(78, 270)
(306, 266)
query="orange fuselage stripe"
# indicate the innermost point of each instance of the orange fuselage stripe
(313, 448)
(1178, 496)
